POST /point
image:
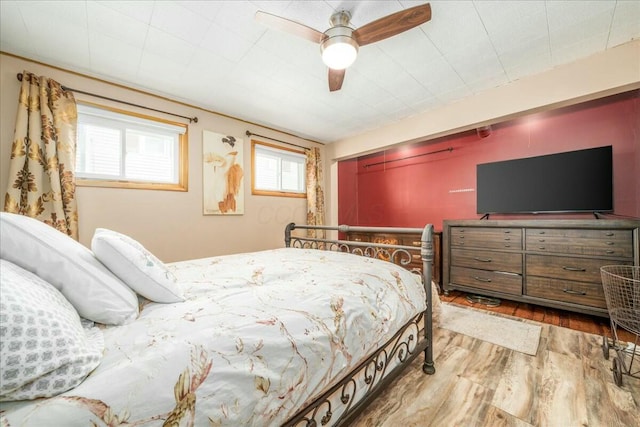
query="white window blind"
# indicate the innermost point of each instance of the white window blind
(278, 170)
(121, 147)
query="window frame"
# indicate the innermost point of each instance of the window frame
(274, 193)
(182, 152)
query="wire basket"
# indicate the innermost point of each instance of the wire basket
(621, 285)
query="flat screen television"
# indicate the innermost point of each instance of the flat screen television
(574, 181)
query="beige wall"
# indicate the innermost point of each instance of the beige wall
(168, 223)
(613, 71)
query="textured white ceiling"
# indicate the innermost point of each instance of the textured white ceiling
(213, 54)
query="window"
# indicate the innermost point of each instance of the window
(120, 149)
(277, 171)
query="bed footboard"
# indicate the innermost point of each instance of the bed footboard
(350, 395)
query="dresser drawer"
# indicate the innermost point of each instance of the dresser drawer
(590, 294)
(487, 260)
(570, 268)
(487, 238)
(614, 243)
(488, 280)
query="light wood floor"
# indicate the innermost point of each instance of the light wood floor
(568, 383)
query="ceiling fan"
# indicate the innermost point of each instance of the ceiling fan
(339, 44)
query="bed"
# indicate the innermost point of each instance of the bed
(303, 335)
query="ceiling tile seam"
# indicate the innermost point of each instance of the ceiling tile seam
(210, 19)
(24, 22)
(613, 16)
(86, 20)
(446, 60)
(418, 81)
(409, 73)
(146, 37)
(246, 52)
(546, 15)
(332, 8)
(171, 34)
(493, 46)
(195, 46)
(27, 27)
(254, 44)
(86, 17)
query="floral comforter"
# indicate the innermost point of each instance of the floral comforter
(258, 337)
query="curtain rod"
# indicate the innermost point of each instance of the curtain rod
(250, 134)
(191, 119)
(450, 149)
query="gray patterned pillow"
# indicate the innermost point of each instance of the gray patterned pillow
(44, 350)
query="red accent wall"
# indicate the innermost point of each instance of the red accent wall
(404, 188)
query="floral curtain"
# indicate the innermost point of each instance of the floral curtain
(42, 169)
(315, 194)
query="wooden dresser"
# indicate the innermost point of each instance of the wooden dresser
(407, 240)
(553, 263)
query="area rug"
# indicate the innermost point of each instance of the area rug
(513, 334)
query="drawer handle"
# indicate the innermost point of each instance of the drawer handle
(541, 240)
(542, 232)
(609, 234)
(507, 238)
(564, 267)
(482, 279)
(610, 243)
(482, 259)
(506, 245)
(572, 292)
(507, 231)
(610, 251)
(418, 243)
(542, 248)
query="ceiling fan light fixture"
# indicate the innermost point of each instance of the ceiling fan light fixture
(339, 49)
(339, 44)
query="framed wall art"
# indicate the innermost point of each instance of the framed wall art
(222, 174)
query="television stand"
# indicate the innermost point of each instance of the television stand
(600, 215)
(549, 262)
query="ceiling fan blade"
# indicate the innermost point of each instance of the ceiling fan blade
(393, 24)
(336, 77)
(289, 26)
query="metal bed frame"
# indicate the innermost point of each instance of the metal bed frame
(349, 396)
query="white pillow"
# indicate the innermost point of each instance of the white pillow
(135, 266)
(88, 285)
(45, 350)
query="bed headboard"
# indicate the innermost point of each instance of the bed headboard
(398, 254)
